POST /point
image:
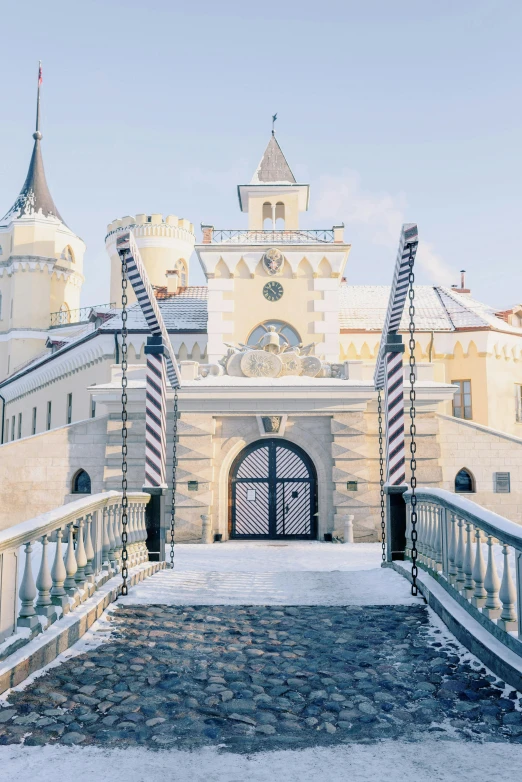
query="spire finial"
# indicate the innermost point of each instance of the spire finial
(37, 135)
(274, 117)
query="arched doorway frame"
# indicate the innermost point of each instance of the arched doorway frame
(312, 482)
(321, 460)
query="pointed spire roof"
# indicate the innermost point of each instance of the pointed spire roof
(34, 197)
(273, 168)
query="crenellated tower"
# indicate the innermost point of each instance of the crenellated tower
(41, 265)
(165, 245)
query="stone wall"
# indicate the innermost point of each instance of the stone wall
(483, 452)
(36, 472)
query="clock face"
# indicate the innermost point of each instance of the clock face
(273, 291)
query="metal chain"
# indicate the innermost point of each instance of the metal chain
(174, 465)
(413, 428)
(381, 479)
(124, 500)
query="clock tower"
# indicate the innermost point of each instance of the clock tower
(273, 275)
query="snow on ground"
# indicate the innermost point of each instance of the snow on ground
(435, 761)
(291, 573)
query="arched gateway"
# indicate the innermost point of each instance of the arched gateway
(273, 492)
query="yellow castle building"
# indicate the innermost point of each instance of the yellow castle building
(277, 354)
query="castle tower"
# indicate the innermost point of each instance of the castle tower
(165, 246)
(274, 273)
(41, 265)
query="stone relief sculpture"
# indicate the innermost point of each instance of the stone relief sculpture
(271, 357)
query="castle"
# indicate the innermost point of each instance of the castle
(278, 430)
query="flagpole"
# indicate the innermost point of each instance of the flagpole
(38, 96)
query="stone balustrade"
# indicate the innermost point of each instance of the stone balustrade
(475, 554)
(51, 564)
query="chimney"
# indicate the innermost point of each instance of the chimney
(172, 276)
(462, 288)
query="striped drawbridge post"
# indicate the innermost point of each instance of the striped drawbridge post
(161, 366)
(389, 377)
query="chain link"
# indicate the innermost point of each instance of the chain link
(381, 480)
(413, 427)
(174, 465)
(124, 500)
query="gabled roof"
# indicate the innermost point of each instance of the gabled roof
(273, 168)
(437, 308)
(34, 197)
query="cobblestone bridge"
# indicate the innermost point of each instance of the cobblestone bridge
(171, 667)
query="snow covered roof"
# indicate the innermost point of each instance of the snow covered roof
(273, 168)
(363, 307)
(183, 311)
(35, 197)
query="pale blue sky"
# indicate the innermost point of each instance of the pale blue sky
(393, 111)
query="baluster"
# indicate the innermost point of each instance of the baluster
(429, 536)
(420, 532)
(479, 572)
(437, 537)
(44, 583)
(459, 559)
(112, 549)
(144, 533)
(407, 548)
(27, 616)
(70, 565)
(89, 550)
(117, 536)
(469, 586)
(106, 543)
(507, 594)
(58, 575)
(81, 559)
(452, 549)
(131, 532)
(492, 605)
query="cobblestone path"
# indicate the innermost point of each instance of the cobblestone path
(257, 678)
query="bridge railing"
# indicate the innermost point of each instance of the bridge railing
(475, 554)
(51, 564)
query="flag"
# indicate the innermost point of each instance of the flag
(40, 75)
(274, 116)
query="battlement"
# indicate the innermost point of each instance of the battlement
(154, 225)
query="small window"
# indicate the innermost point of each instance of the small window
(518, 403)
(13, 420)
(464, 482)
(49, 410)
(69, 408)
(93, 408)
(0, 306)
(33, 425)
(502, 482)
(67, 255)
(81, 483)
(462, 399)
(19, 425)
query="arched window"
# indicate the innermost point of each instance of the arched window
(181, 268)
(288, 334)
(280, 216)
(268, 217)
(464, 482)
(67, 254)
(81, 483)
(65, 315)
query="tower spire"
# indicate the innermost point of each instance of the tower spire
(37, 129)
(34, 198)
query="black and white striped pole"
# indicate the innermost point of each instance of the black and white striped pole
(161, 365)
(389, 376)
